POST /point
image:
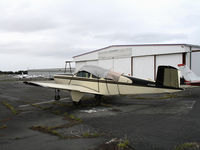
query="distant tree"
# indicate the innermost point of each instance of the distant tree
(16, 72)
(20, 72)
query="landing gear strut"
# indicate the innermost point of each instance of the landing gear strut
(76, 97)
(57, 94)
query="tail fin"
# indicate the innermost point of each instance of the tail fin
(187, 74)
(168, 76)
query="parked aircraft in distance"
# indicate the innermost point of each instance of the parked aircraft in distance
(101, 82)
(190, 77)
(21, 76)
(26, 76)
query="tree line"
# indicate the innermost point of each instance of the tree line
(14, 72)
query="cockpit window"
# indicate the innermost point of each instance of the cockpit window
(100, 72)
(83, 74)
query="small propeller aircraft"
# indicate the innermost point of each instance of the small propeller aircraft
(190, 77)
(102, 82)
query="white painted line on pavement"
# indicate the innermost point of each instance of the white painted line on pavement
(190, 106)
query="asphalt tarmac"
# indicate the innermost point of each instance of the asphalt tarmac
(31, 119)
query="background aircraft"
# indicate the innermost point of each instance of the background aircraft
(190, 77)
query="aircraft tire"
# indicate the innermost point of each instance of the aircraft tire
(57, 97)
(77, 103)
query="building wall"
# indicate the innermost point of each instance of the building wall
(122, 65)
(92, 62)
(141, 60)
(158, 50)
(171, 60)
(106, 63)
(195, 66)
(143, 67)
(79, 64)
(89, 56)
(146, 66)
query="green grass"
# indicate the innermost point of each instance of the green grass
(71, 117)
(44, 129)
(56, 112)
(40, 107)
(123, 144)
(3, 126)
(162, 97)
(52, 131)
(10, 107)
(188, 146)
(90, 135)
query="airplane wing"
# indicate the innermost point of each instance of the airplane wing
(53, 85)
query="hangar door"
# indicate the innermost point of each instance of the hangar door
(196, 62)
(123, 65)
(143, 67)
(106, 63)
(170, 60)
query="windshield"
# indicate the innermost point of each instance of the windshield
(83, 74)
(99, 72)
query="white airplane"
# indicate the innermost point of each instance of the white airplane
(190, 77)
(101, 82)
(22, 76)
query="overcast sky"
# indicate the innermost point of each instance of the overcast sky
(45, 33)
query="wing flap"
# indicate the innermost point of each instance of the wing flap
(54, 85)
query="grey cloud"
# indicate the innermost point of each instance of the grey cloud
(191, 20)
(13, 48)
(61, 29)
(64, 52)
(142, 38)
(26, 24)
(26, 16)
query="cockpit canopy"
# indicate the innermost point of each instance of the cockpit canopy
(97, 72)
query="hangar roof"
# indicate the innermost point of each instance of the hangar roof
(138, 45)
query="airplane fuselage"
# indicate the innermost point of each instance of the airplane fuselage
(124, 86)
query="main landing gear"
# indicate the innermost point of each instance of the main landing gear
(57, 94)
(97, 100)
(77, 103)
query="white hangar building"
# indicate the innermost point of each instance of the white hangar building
(142, 60)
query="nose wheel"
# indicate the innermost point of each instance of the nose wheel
(77, 103)
(57, 94)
